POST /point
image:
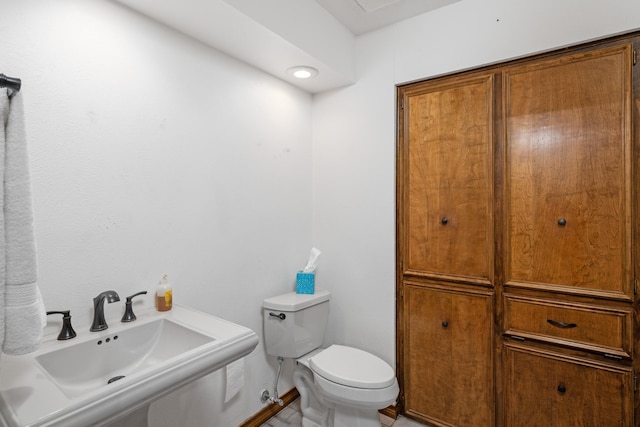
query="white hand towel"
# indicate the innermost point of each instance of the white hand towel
(24, 322)
(235, 379)
(23, 311)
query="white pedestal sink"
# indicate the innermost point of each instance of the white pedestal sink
(111, 377)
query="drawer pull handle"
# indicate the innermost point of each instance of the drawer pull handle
(562, 222)
(561, 324)
(444, 220)
(445, 324)
(562, 389)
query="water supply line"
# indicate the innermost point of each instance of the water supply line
(265, 396)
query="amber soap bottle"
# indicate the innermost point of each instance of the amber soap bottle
(164, 295)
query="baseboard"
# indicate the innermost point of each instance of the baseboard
(266, 413)
(390, 411)
(269, 411)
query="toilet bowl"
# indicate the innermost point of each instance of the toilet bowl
(355, 377)
(350, 384)
(339, 386)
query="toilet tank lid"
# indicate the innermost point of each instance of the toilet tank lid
(293, 301)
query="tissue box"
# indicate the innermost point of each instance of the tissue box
(305, 283)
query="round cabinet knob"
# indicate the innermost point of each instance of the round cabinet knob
(562, 389)
(444, 220)
(445, 324)
(562, 222)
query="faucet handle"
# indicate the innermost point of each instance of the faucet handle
(67, 332)
(128, 308)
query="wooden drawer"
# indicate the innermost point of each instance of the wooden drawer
(588, 327)
(553, 390)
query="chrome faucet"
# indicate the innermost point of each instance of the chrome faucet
(99, 324)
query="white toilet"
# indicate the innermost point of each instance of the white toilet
(339, 386)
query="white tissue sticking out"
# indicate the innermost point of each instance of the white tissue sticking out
(313, 261)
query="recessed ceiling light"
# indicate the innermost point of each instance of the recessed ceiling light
(302, 72)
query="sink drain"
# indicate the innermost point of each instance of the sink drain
(116, 378)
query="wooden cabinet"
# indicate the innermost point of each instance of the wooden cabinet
(568, 167)
(448, 179)
(516, 199)
(448, 241)
(568, 198)
(449, 342)
(555, 390)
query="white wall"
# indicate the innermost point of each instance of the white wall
(153, 154)
(354, 136)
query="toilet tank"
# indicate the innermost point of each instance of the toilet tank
(294, 324)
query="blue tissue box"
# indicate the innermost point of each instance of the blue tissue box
(305, 283)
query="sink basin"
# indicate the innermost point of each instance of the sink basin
(86, 366)
(99, 377)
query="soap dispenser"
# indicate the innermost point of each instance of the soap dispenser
(164, 295)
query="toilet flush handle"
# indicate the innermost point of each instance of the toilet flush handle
(280, 316)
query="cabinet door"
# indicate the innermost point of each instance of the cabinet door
(448, 222)
(568, 147)
(552, 390)
(448, 356)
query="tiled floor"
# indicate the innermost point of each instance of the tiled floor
(291, 417)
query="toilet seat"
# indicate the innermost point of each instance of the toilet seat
(364, 398)
(352, 367)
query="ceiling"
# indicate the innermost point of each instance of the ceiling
(362, 16)
(275, 35)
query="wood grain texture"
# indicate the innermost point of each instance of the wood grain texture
(449, 375)
(568, 158)
(587, 327)
(450, 188)
(554, 390)
(557, 239)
